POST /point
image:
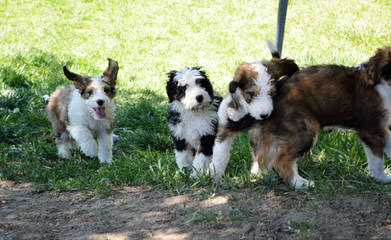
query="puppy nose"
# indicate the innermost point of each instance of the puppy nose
(199, 98)
(263, 116)
(100, 102)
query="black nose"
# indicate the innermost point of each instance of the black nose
(100, 102)
(263, 116)
(199, 98)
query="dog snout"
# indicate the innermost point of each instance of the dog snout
(100, 102)
(263, 116)
(200, 98)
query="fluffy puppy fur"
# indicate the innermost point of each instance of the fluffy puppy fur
(316, 97)
(83, 111)
(249, 100)
(192, 117)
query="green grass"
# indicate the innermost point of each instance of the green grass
(148, 39)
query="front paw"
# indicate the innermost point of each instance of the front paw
(90, 149)
(215, 172)
(105, 157)
(384, 179)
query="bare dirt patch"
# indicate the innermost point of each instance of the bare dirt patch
(141, 213)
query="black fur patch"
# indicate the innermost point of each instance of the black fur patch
(207, 143)
(174, 117)
(171, 86)
(180, 144)
(245, 123)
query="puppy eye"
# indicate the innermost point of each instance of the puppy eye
(182, 88)
(107, 90)
(89, 92)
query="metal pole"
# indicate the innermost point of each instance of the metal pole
(282, 7)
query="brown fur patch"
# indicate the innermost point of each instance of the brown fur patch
(57, 109)
(223, 133)
(320, 96)
(377, 64)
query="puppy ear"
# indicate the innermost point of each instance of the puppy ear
(171, 86)
(281, 67)
(79, 81)
(72, 76)
(379, 65)
(232, 86)
(112, 71)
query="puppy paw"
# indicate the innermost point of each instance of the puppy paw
(64, 154)
(215, 173)
(90, 149)
(300, 183)
(384, 179)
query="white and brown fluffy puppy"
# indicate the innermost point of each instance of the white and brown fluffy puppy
(192, 117)
(82, 114)
(249, 100)
(316, 97)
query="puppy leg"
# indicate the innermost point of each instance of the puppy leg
(374, 144)
(205, 151)
(221, 152)
(387, 148)
(183, 154)
(105, 149)
(64, 144)
(84, 138)
(255, 135)
(285, 160)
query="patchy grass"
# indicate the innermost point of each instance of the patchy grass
(149, 38)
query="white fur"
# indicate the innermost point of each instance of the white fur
(194, 124)
(262, 104)
(183, 158)
(85, 125)
(200, 163)
(197, 119)
(375, 166)
(299, 182)
(187, 77)
(221, 154)
(241, 111)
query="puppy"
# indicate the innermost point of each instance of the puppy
(249, 100)
(83, 111)
(316, 97)
(192, 117)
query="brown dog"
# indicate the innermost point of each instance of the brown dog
(250, 100)
(356, 98)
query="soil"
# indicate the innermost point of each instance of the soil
(144, 213)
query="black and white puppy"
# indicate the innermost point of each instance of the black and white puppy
(192, 117)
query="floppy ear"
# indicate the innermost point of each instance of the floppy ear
(171, 86)
(282, 67)
(232, 86)
(112, 71)
(79, 81)
(379, 65)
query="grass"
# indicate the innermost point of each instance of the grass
(148, 39)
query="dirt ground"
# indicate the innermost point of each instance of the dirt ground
(142, 213)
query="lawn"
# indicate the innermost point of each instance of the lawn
(148, 39)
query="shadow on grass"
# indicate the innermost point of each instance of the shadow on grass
(28, 151)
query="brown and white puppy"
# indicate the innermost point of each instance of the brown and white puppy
(83, 112)
(316, 97)
(249, 100)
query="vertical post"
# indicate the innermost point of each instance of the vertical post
(282, 7)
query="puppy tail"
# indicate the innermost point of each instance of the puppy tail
(46, 98)
(273, 49)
